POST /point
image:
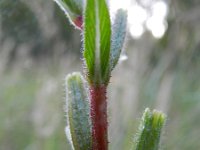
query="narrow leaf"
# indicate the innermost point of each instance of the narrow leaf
(150, 128)
(89, 36)
(75, 6)
(105, 40)
(73, 10)
(118, 36)
(97, 34)
(78, 113)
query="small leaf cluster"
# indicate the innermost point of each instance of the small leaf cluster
(102, 41)
(102, 45)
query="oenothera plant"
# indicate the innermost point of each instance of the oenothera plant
(86, 95)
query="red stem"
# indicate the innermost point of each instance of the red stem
(98, 112)
(79, 22)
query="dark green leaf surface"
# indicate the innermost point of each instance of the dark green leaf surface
(97, 34)
(105, 40)
(89, 38)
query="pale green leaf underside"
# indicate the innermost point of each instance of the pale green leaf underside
(97, 35)
(118, 36)
(78, 112)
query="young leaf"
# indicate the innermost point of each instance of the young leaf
(97, 34)
(74, 11)
(78, 112)
(148, 137)
(118, 36)
(75, 6)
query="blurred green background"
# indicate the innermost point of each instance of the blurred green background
(38, 48)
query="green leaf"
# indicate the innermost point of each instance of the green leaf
(118, 36)
(150, 128)
(96, 37)
(75, 6)
(73, 10)
(78, 112)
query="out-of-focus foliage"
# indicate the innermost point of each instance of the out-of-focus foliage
(38, 26)
(16, 22)
(38, 48)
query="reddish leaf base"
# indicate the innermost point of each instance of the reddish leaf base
(98, 112)
(79, 22)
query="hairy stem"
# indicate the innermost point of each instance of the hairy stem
(98, 112)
